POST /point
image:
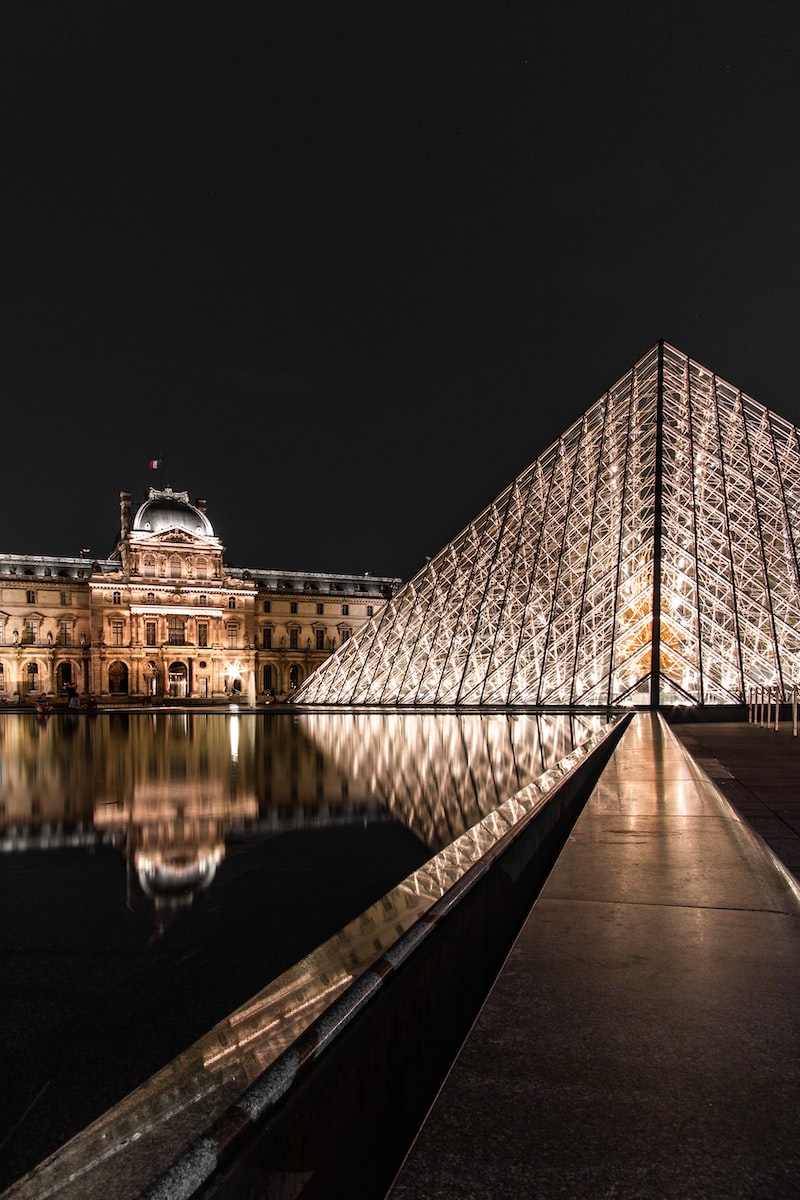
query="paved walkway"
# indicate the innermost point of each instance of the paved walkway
(643, 1039)
(757, 769)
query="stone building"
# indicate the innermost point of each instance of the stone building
(165, 617)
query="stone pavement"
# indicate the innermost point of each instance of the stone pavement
(642, 1041)
(757, 769)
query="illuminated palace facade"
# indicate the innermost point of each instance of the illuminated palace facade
(649, 557)
(165, 616)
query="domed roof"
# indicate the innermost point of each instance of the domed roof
(165, 509)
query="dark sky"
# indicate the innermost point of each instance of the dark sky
(349, 268)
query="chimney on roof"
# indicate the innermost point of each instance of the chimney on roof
(124, 514)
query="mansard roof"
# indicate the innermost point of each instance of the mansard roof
(164, 510)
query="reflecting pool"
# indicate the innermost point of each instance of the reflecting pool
(158, 868)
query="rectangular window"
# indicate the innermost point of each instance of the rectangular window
(65, 633)
(370, 610)
(319, 639)
(117, 630)
(30, 596)
(345, 634)
(232, 629)
(150, 633)
(293, 635)
(30, 632)
(293, 606)
(175, 631)
(267, 606)
(202, 633)
(345, 610)
(231, 602)
(266, 638)
(320, 609)
(66, 598)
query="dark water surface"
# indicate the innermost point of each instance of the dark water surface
(159, 868)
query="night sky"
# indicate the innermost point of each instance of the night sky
(349, 268)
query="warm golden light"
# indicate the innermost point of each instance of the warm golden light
(672, 494)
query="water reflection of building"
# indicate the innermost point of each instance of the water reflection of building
(165, 616)
(174, 833)
(441, 774)
(167, 789)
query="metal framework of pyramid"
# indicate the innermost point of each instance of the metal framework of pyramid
(662, 528)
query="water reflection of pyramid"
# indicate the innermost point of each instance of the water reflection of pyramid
(662, 527)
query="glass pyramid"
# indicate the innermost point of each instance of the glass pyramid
(648, 557)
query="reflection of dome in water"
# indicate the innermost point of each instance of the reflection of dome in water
(164, 510)
(172, 878)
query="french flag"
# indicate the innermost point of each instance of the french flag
(154, 464)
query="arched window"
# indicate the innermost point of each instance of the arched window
(116, 598)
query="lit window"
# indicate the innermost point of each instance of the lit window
(176, 631)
